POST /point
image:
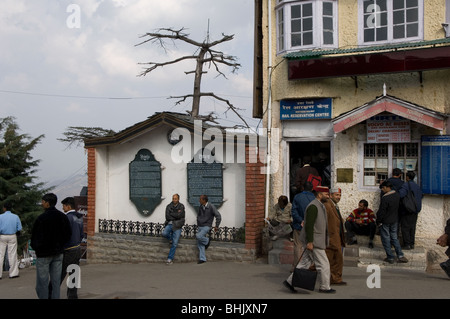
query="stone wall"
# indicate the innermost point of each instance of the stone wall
(116, 248)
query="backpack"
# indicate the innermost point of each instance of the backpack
(314, 180)
(409, 201)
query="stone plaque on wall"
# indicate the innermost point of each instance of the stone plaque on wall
(145, 182)
(204, 177)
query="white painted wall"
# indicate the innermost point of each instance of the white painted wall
(112, 182)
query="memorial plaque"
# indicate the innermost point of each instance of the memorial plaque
(145, 182)
(204, 177)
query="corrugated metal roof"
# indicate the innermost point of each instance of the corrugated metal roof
(306, 54)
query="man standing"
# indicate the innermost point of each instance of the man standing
(304, 172)
(205, 217)
(314, 236)
(408, 221)
(51, 231)
(10, 226)
(387, 220)
(72, 249)
(444, 241)
(361, 222)
(301, 201)
(175, 218)
(336, 234)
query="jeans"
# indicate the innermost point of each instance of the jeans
(48, 267)
(174, 236)
(71, 257)
(388, 234)
(202, 241)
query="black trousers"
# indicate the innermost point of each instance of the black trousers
(408, 229)
(358, 229)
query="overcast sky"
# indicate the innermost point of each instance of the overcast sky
(58, 71)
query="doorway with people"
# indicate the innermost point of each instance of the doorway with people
(315, 154)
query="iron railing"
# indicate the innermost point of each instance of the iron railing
(223, 234)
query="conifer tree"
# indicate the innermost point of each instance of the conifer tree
(17, 180)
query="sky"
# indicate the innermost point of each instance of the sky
(76, 63)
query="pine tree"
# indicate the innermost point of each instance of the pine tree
(17, 182)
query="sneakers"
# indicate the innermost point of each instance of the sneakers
(169, 262)
(402, 260)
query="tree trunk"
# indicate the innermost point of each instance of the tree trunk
(197, 83)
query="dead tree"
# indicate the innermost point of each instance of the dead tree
(204, 55)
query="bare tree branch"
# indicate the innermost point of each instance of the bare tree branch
(205, 54)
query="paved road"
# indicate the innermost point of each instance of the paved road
(227, 280)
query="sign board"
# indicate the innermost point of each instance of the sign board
(435, 167)
(306, 109)
(388, 128)
(204, 178)
(145, 182)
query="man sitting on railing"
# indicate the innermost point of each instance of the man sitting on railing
(175, 218)
(206, 214)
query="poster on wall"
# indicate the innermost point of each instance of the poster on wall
(388, 129)
(435, 166)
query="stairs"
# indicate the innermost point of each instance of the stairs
(361, 255)
(358, 255)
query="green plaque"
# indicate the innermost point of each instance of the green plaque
(145, 182)
(204, 177)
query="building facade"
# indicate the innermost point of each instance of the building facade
(361, 86)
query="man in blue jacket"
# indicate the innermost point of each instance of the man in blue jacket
(301, 201)
(206, 214)
(408, 221)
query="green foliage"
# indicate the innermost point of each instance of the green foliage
(17, 184)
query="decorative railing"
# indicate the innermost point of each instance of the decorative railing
(223, 234)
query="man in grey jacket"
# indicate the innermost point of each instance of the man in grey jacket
(314, 236)
(206, 214)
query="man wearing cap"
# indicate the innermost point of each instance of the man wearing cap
(336, 234)
(314, 236)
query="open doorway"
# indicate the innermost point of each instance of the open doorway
(320, 154)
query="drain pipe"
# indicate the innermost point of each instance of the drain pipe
(269, 108)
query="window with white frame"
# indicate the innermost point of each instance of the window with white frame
(390, 21)
(379, 159)
(306, 24)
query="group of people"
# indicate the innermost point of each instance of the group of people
(318, 226)
(56, 239)
(175, 219)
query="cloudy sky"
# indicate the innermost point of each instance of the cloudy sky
(75, 63)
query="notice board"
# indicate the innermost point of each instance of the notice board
(435, 166)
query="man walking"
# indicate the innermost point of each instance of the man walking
(314, 236)
(175, 218)
(336, 234)
(51, 231)
(301, 201)
(10, 226)
(206, 214)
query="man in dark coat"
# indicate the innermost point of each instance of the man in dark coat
(51, 231)
(387, 220)
(444, 241)
(408, 221)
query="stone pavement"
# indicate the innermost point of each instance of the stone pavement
(228, 280)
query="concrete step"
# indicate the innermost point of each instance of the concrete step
(363, 256)
(282, 252)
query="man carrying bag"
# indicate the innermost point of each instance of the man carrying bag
(314, 236)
